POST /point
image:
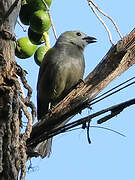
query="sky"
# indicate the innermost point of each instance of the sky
(109, 156)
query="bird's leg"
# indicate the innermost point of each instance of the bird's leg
(81, 80)
(75, 86)
(49, 107)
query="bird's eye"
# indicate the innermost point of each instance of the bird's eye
(78, 34)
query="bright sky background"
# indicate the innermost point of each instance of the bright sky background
(110, 156)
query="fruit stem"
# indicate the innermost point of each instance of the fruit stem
(46, 39)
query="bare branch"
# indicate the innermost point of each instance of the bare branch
(101, 20)
(53, 28)
(106, 15)
(115, 110)
(24, 29)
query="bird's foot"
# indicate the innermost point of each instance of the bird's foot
(78, 83)
(81, 80)
(50, 108)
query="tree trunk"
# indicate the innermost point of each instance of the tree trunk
(10, 153)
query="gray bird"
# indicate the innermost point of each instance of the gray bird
(63, 66)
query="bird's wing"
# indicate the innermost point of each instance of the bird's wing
(51, 80)
(43, 66)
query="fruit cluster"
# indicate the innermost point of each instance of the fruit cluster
(34, 14)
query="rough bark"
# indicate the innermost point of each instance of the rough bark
(10, 157)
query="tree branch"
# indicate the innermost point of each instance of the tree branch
(115, 110)
(118, 59)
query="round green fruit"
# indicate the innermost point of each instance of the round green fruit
(23, 2)
(40, 22)
(34, 37)
(38, 4)
(39, 54)
(24, 48)
(24, 14)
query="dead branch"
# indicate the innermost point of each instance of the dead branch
(115, 110)
(119, 58)
(101, 20)
(106, 15)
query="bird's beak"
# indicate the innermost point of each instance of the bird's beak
(89, 39)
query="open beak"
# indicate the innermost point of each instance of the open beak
(89, 39)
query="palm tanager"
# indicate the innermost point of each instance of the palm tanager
(63, 66)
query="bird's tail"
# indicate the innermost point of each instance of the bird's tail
(43, 149)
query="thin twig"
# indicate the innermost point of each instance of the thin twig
(101, 20)
(28, 130)
(100, 127)
(106, 15)
(24, 29)
(106, 128)
(51, 20)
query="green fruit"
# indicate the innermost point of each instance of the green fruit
(24, 48)
(39, 54)
(34, 37)
(23, 2)
(40, 22)
(38, 4)
(24, 14)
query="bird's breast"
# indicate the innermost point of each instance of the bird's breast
(75, 70)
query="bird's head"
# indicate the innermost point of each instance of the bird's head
(77, 38)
